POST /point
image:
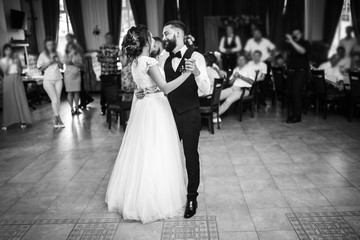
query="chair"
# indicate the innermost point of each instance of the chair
(322, 94)
(279, 81)
(32, 93)
(213, 106)
(354, 93)
(115, 105)
(250, 100)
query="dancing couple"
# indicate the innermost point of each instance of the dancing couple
(157, 171)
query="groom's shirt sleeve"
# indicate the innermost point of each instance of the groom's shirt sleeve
(202, 80)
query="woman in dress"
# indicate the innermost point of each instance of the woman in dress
(15, 104)
(72, 76)
(49, 62)
(148, 181)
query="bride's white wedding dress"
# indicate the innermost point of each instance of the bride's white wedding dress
(148, 181)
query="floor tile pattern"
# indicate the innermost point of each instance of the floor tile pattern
(85, 229)
(323, 225)
(197, 228)
(13, 231)
(93, 231)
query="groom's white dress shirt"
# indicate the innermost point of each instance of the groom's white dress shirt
(202, 80)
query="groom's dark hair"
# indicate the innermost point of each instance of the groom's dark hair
(177, 24)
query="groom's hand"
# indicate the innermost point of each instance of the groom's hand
(140, 94)
(190, 65)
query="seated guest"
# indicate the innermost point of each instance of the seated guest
(259, 43)
(332, 72)
(229, 46)
(355, 62)
(32, 71)
(15, 104)
(348, 42)
(258, 65)
(356, 47)
(215, 65)
(212, 72)
(243, 76)
(279, 61)
(344, 61)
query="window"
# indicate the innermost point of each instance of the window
(64, 27)
(344, 21)
(127, 19)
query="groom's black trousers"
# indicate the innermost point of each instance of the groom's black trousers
(189, 126)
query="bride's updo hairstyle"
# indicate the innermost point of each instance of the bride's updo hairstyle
(135, 40)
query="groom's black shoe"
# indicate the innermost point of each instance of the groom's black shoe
(190, 209)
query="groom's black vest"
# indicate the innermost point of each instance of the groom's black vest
(185, 97)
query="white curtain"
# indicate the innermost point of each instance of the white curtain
(314, 19)
(94, 14)
(154, 14)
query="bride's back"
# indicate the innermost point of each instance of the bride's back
(139, 71)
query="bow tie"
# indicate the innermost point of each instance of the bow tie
(175, 55)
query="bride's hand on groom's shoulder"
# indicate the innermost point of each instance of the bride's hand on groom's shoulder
(139, 94)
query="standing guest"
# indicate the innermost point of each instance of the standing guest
(230, 46)
(348, 42)
(158, 52)
(108, 57)
(72, 76)
(15, 105)
(70, 38)
(85, 98)
(49, 62)
(242, 77)
(157, 48)
(298, 66)
(259, 43)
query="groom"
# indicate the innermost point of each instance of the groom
(184, 101)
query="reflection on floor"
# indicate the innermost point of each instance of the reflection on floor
(261, 179)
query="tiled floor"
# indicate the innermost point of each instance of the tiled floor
(261, 179)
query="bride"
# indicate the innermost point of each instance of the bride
(148, 182)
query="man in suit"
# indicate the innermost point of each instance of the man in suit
(184, 101)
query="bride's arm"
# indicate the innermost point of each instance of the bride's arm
(159, 79)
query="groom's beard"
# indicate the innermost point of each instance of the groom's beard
(170, 45)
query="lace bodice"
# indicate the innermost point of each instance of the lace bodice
(139, 70)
